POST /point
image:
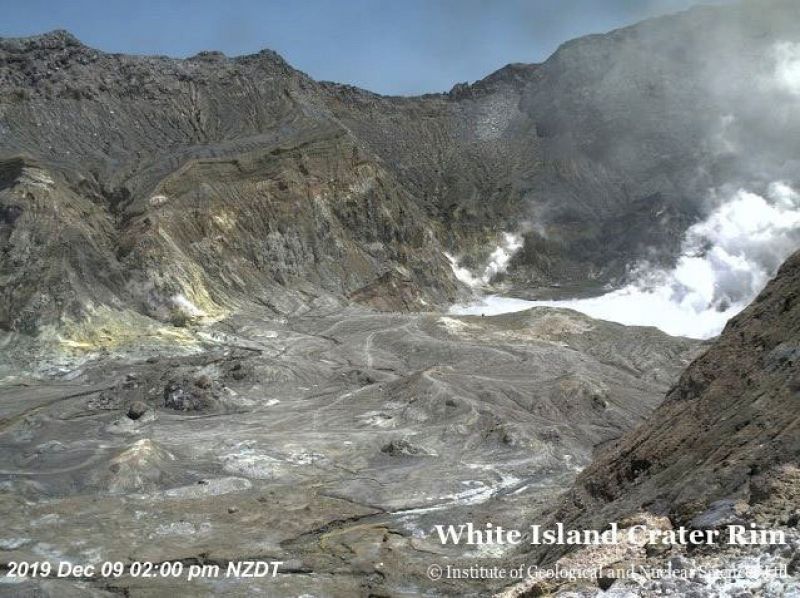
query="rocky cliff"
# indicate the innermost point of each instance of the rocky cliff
(181, 189)
(725, 430)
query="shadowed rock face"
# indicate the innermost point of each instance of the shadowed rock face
(608, 149)
(163, 184)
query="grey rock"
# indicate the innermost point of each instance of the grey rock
(137, 409)
(401, 447)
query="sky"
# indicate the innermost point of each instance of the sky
(398, 47)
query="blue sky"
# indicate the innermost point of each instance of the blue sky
(388, 46)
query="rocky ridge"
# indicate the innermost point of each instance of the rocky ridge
(173, 189)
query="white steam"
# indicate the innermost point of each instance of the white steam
(726, 260)
(181, 303)
(498, 262)
(462, 274)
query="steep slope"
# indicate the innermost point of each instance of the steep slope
(57, 245)
(727, 430)
(183, 189)
(606, 152)
(722, 449)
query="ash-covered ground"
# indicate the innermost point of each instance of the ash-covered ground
(333, 443)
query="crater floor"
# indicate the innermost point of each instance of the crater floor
(333, 443)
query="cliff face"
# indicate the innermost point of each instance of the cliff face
(181, 187)
(726, 430)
